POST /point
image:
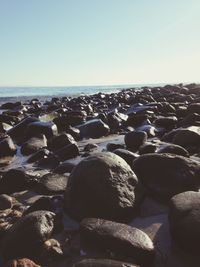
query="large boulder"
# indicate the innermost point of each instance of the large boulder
(121, 240)
(166, 175)
(93, 129)
(101, 185)
(184, 218)
(26, 236)
(7, 147)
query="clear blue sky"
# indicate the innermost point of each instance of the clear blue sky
(88, 42)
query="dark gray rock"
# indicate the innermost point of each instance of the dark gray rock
(127, 155)
(18, 130)
(102, 263)
(184, 218)
(166, 175)
(123, 241)
(188, 137)
(51, 184)
(7, 147)
(33, 145)
(67, 152)
(5, 202)
(15, 180)
(41, 154)
(94, 129)
(49, 129)
(101, 185)
(26, 236)
(135, 139)
(60, 141)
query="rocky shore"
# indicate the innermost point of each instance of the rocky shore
(104, 180)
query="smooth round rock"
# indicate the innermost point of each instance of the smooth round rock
(121, 240)
(165, 175)
(101, 185)
(184, 219)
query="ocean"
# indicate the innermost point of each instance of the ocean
(30, 92)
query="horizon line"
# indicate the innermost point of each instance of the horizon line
(101, 85)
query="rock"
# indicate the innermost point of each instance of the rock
(135, 139)
(127, 155)
(10, 105)
(184, 218)
(60, 141)
(75, 132)
(52, 184)
(7, 147)
(101, 185)
(49, 129)
(166, 122)
(190, 119)
(188, 137)
(112, 146)
(165, 175)
(30, 232)
(147, 148)
(21, 263)
(40, 154)
(53, 204)
(67, 152)
(172, 149)
(194, 108)
(65, 167)
(18, 130)
(93, 129)
(124, 241)
(90, 146)
(33, 145)
(102, 263)
(5, 202)
(15, 180)
(51, 162)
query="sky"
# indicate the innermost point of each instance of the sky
(99, 42)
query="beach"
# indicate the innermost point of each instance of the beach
(109, 178)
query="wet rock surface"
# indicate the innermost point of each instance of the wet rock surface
(132, 156)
